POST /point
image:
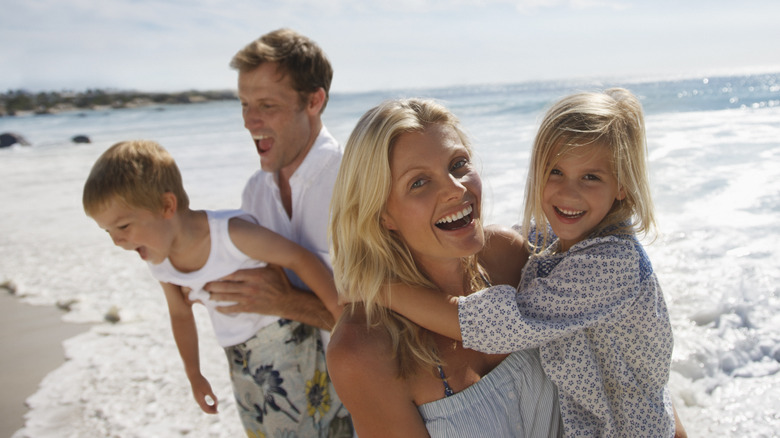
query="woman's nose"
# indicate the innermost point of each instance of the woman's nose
(453, 188)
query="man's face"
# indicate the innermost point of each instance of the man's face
(282, 127)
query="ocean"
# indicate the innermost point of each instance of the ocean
(714, 148)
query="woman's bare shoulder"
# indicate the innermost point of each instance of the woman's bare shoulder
(352, 339)
(504, 254)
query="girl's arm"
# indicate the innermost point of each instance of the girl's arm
(503, 257)
(185, 334)
(260, 243)
(363, 370)
(590, 285)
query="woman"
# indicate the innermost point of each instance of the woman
(406, 208)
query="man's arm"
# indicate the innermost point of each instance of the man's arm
(268, 291)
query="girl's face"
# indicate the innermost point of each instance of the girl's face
(434, 202)
(137, 229)
(579, 193)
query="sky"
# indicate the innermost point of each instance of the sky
(178, 45)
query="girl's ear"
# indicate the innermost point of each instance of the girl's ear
(621, 195)
(170, 204)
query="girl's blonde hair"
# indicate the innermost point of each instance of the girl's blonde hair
(366, 256)
(136, 172)
(611, 119)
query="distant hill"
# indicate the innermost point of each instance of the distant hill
(23, 102)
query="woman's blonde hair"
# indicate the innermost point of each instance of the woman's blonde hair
(613, 119)
(136, 172)
(366, 256)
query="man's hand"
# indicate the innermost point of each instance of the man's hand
(260, 290)
(269, 292)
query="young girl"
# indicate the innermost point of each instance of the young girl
(588, 297)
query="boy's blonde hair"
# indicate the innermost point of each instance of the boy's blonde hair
(365, 254)
(611, 119)
(136, 172)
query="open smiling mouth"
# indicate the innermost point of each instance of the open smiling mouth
(260, 144)
(457, 220)
(569, 214)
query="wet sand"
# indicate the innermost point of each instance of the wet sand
(31, 345)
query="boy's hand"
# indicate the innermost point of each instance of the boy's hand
(201, 390)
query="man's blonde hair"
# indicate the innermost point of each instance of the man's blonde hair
(137, 173)
(611, 119)
(365, 254)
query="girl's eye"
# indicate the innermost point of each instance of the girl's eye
(591, 177)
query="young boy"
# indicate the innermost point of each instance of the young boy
(135, 193)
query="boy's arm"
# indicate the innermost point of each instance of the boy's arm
(263, 244)
(185, 334)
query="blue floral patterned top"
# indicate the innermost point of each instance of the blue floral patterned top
(598, 316)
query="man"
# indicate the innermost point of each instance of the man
(283, 84)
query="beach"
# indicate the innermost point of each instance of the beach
(31, 341)
(713, 153)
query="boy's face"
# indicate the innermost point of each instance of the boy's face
(137, 229)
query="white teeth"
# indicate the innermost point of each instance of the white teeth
(459, 215)
(259, 137)
(570, 212)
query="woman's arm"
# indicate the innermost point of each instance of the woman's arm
(363, 370)
(263, 244)
(185, 334)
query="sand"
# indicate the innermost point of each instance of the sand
(31, 345)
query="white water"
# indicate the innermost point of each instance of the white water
(716, 182)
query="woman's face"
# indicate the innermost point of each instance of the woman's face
(434, 202)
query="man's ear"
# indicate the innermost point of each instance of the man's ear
(316, 101)
(170, 205)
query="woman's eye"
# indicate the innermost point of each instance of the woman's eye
(459, 164)
(418, 183)
(555, 172)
